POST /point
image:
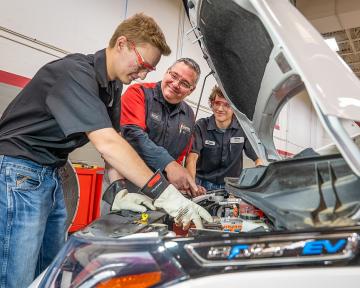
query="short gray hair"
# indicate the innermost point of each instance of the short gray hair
(190, 63)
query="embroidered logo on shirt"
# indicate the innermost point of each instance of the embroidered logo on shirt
(209, 142)
(155, 116)
(184, 128)
(237, 140)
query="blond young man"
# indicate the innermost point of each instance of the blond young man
(68, 103)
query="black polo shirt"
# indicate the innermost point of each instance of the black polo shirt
(49, 117)
(220, 152)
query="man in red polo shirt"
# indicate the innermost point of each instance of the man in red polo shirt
(158, 124)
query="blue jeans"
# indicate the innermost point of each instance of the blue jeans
(32, 219)
(209, 185)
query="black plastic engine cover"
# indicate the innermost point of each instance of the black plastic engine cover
(125, 223)
(319, 191)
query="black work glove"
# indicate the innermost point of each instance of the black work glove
(112, 190)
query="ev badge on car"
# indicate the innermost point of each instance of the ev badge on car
(287, 250)
(320, 247)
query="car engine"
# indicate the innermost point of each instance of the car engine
(232, 214)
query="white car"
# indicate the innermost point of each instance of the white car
(292, 223)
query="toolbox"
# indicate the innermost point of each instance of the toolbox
(90, 182)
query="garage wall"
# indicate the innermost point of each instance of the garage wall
(33, 33)
(298, 127)
(71, 26)
(52, 29)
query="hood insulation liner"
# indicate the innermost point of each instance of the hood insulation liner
(239, 47)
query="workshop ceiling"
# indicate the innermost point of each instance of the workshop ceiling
(339, 19)
(349, 46)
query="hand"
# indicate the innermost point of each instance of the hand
(131, 201)
(201, 190)
(183, 210)
(118, 197)
(181, 179)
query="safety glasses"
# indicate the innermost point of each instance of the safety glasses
(182, 83)
(218, 104)
(144, 66)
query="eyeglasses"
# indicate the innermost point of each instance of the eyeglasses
(144, 66)
(218, 104)
(182, 83)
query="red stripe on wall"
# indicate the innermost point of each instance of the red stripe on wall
(284, 153)
(13, 79)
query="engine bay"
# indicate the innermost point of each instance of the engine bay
(324, 193)
(230, 215)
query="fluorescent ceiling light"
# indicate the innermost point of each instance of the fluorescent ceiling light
(331, 42)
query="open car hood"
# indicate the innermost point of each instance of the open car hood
(262, 53)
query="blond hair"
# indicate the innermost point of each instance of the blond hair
(139, 29)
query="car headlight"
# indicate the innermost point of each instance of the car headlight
(99, 262)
